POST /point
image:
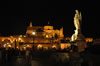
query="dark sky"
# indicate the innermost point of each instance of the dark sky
(16, 15)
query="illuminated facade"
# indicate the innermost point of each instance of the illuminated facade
(45, 37)
(39, 36)
(44, 31)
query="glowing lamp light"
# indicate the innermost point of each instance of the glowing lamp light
(19, 38)
(11, 41)
(11, 36)
(39, 46)
(54, 46)
(7, 43)
(24, 36)
(9, 46)
(24, 48)
(4, 45)
(33, 33)
(17, 47)
(28, 45)
(2, 40)
(47, 36)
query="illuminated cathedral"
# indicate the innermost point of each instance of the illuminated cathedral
(45, 37)
(38, 36)
(44, 31)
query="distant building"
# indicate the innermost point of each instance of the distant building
(44, 31)
(45, 37)
(96, 42)
(39, 36)
(89, 39)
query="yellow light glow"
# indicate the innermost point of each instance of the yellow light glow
(11, 41)
(17, 47)
(9, 45)
(54, 46)
(11, 36)
(24, 48)
(47, 36)
(2, 40)
(19, 38)
(65, 46)
(4, 45)
(39, 46)
(28, 45)
(24, 36)
(33, 33)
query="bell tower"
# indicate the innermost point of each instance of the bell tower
(30, 24)
(61, 33)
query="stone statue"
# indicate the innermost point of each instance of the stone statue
(78, 37)
(77, 23)
(77, 20)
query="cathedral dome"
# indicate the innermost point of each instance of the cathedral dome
(48, 27)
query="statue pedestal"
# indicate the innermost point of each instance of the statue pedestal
(81, 44)
(80, 37)
(79, 41)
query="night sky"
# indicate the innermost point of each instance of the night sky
(59, 13)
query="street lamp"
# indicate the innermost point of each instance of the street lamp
(19, 38)
(33, 33)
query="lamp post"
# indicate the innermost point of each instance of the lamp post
(33, 33)
(19, 40)
(15, 44)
